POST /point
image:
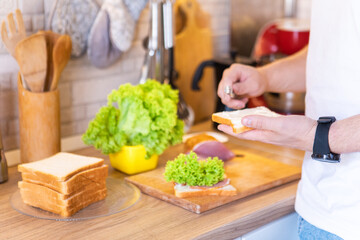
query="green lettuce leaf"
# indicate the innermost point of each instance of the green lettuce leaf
(187, 169)
(145, 114)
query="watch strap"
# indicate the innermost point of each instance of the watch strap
(321, 144)
(321, 148)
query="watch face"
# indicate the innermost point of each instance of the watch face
(326, 119)
(330, 157)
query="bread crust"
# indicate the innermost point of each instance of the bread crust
(63, 210)
(33, 166)
(221, 120)
(59, 198)
(233, 118)
(64, 183)
(206, 192)
(226, 121)
(73, 184)
(241, 129)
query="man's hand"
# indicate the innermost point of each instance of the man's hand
(245, 81)
(292, 131)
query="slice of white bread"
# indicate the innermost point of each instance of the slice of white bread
(59, 198)
(61, 166)
(65, 205)
(233, 118)
(73, 184)
(63, 183)
(184, 191)
(63, 210)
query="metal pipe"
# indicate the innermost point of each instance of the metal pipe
(290, 8)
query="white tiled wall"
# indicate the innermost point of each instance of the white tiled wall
(83, 88)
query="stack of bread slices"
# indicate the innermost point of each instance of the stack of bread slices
(64, 183)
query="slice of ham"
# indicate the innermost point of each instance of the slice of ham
(220, 184)
(213, 149)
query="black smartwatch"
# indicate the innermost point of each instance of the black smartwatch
(321, 148)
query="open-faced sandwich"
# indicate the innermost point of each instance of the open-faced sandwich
(193, 177)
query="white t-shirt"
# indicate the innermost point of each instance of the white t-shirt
(329, 194)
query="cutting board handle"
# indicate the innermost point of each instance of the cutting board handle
(193, 45)
(190, 16)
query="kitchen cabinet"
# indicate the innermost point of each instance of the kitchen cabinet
(284, 228)
(151, 218)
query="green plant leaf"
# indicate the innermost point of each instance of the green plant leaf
(145, 114)
(187, 169)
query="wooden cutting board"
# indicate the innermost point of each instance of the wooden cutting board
(193, 45)
(249, 174)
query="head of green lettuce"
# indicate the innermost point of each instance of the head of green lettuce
(145, 114)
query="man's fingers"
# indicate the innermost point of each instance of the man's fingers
(248, 135)
(234, 103)
(262, 122)
(226, 129)
(234, 72)
(242, 88)
(227, 100)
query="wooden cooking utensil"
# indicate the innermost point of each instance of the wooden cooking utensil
(61, 56)
(31, 56)
(51, 39)
(15, 35)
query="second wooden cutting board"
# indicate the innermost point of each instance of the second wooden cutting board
(249, 174)
(193, 45)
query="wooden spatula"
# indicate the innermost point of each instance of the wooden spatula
(51, 39)
(61, 56)
(15, 35)
(31, 56)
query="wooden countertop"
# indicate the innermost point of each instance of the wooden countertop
(151, 218)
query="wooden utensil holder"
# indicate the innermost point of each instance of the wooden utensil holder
(39, 120)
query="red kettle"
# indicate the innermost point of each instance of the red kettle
(282, 36)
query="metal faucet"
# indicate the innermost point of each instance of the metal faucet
(3, 163)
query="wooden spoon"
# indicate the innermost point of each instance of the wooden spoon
(51, 39)
(31, 56)
(15, 35)
(61, 56)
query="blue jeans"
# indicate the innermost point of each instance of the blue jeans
(307, 231)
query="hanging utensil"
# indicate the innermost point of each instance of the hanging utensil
(159, 60)
(153, 66)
